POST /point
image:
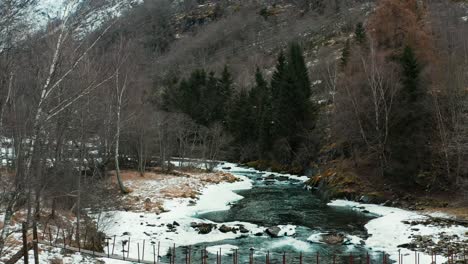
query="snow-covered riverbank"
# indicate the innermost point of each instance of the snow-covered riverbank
(389, 230)
(392, 229)
(176, 225)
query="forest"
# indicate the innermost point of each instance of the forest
(376, 89)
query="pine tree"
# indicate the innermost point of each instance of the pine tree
(298, 71)
(345, 53)
(240, 119)
(291, 102)
(411, 71)
(225, 84)
(260, 100)
(360, 33)
(411, 129)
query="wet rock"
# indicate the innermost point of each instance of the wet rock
(273, 231)
(226, 229)
(243, 230)
(364, 199)
(125, 233)
(270, 177)
(203, 228)
(366, 211)
(175, 223)
(407, 245)
(333, 238)
(226, 168)
(258, 234)
(283, 178)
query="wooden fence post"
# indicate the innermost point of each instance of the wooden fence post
(143, 252)
(64, 239)
(190, 255)
(138, 248)
(25, 242)
(154, 255)
(128, 247)
(35, 246)
(159, 245)
(113, 246)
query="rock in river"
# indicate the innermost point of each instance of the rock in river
(273, 231)
(333, 238)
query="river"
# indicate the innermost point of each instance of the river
(261, 200)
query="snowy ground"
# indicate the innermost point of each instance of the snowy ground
(386, 232)
(390, 230)
(153, 228)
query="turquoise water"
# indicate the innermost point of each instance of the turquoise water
(271, 203)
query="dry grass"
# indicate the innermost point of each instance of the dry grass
(150, 190)
(458, 212)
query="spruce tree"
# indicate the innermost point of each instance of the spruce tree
(411, 71)
(360, 33)
(291, 105)
(260, 100)
(240, 119)
(298, 71)
(411, 128)
(345, 53)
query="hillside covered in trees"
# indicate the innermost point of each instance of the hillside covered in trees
(364, 97)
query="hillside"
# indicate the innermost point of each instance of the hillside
(123, 107)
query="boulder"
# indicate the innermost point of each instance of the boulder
(333, 238)
(203, 228)
(282, 178)
(226, 229)
(243, 230)
(273, 231)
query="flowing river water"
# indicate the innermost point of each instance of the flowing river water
(262, 200)
(284, 201)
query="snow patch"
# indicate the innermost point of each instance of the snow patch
(155, 229)
(389, 230)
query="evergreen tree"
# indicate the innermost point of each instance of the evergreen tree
(345, 53)
(260, 99)
(411, 71)
(360, 33)
(411, 130)
(240, 119)
(226, 84)
(298, 71)
(291, 105)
